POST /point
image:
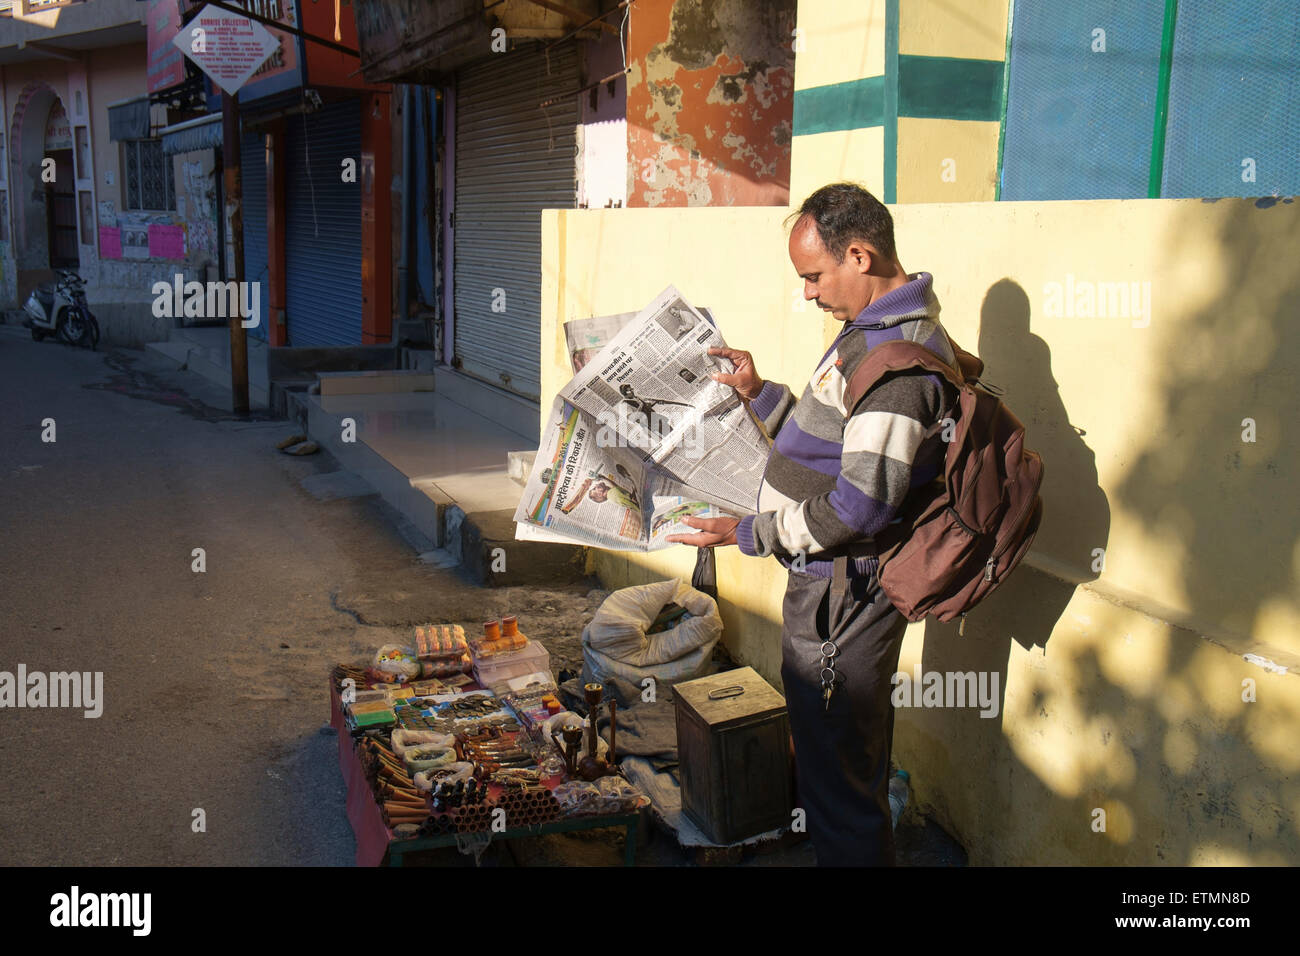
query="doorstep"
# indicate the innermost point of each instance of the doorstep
(445, 468)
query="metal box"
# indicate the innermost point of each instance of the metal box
(733, 741)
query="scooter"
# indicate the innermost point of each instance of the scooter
(60, 308)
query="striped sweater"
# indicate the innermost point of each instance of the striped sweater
(830, 483)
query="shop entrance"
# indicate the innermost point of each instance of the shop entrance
(61, 212)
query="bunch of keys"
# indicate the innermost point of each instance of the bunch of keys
(829, 650)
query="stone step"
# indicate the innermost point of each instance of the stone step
(490, 555)
(375, 382)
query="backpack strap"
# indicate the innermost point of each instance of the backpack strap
(896, 356)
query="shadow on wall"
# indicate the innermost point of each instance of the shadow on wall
(1137, 716)
(1026, 609)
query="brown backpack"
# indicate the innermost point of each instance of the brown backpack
(959, 537)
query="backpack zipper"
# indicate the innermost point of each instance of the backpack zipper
(988, 567)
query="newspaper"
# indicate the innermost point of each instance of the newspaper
(580, 492)
(652, 385)
(586, 337)
(642, 436)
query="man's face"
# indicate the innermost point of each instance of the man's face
(841, 288)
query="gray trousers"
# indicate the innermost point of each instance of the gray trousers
(842, 754)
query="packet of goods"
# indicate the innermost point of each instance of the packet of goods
(404, 740)
(442, 667)
(437, 641)
(397, 662)
(605, 796)
(428, 757)
(427, 688)
(369, 706)
(484, 648)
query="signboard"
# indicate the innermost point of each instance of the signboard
(58, 132)
(227, 47)
(166, 66)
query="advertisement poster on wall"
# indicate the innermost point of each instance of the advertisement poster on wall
(166, 66)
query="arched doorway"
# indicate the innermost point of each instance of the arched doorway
(60, 190)
(45, 214)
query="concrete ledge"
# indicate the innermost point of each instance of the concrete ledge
(490, 554)
(206, 351)
(305, 363)
(513, 412)
(519, 464)
(371, 382)
(132, 324)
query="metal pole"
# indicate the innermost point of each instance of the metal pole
(235, 209)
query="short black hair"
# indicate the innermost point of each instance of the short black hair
(843, 212)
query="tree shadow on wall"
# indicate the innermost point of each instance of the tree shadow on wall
(1145, 717)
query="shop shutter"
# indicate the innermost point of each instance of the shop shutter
(513, 159)
(252, 162)
(323, 227)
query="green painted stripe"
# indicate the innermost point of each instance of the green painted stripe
(891, 102)
(927, 87)
(1155, 179)
(1006, 85)
(856, 104)
(942, 87)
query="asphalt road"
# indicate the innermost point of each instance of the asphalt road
(214, 683)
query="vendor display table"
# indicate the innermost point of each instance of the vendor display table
(375, 841)
(399, 848)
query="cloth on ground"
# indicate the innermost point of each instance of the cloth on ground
(645, 729)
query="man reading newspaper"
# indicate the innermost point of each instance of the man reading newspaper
(828, 487)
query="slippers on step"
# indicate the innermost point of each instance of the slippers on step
(295, 440)
(306, 448)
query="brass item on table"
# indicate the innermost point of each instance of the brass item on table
(570, 747)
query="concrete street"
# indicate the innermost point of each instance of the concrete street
(215, 683)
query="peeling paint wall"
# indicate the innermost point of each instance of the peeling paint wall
(710, 103)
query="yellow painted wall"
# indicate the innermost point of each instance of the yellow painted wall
(976, 29)
(971, 28)
(820, 158)
(841, 42)
(944, 161)
(1121, 691)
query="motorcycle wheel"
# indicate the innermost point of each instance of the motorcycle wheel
(93, 328)
(75, 328)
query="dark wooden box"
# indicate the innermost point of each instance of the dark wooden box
(733, 740)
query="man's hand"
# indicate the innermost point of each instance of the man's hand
(713, 531)
(745, 378)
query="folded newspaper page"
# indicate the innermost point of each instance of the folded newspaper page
(642, 437)
(582, 493)
(652, 386)
(586, 337)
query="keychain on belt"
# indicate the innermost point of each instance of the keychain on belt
(829, 649)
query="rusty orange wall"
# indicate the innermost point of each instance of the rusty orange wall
(710, 102)
(326, 67)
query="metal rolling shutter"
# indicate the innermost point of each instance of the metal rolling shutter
(323, 227)
(511, 163)
(252, 161)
